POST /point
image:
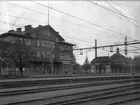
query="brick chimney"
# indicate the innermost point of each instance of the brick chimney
(18, 29)
(28, 28)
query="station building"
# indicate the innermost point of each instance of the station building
(53, 54)
(117, 63)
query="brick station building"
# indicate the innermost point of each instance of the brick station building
(53, 54)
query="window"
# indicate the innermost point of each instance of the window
(69, 48)
(62, 48)
(45, 33)
(43, 43)
(57, 40)
(38, 54)
(43, 54)
(49, 44)
(65, 48)
(38, 43)
(21, 40)
(28, 42)
(34, 35)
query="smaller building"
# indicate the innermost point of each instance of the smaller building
(117, 63)
(101, 65)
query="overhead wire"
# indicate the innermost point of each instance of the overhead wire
(78, 39)
(21, 18)
(10, 24)
(23, 26)
(125, 10)
(111, 10)
(79, 18)
(66, 37)
(49, 15)
(35, 10)
(120, 13)
(40, 22)
(43, 22)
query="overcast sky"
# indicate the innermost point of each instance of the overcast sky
(76, 31)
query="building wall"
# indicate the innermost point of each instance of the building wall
(47, 49)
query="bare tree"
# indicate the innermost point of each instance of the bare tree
(86, 66)
(5, 54)
(21, 56)
(76, 66)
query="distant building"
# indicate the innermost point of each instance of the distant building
(53, 54)
(117, 63)
(101, 65)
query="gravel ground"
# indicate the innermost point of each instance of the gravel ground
(134, 102)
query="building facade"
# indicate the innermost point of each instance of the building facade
(53, 55)
(101, 65)
(119, 63)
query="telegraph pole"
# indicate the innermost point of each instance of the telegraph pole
(95, 55)
(48, 18)
(52, 61)
(48, 13)
(125, 42)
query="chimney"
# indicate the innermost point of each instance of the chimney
(18, 29)
(40, 26)
(117, 50)
(57, 32)
(28, 28)
(11, 31)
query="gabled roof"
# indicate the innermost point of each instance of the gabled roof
(101, 59)
(23, 34)
(117, 55)
(48, 26)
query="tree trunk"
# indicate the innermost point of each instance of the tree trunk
(21, 71)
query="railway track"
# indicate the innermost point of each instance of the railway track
(110, 96)
(18, 91)
(131, 90)
(56, 81)
(107, 91)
